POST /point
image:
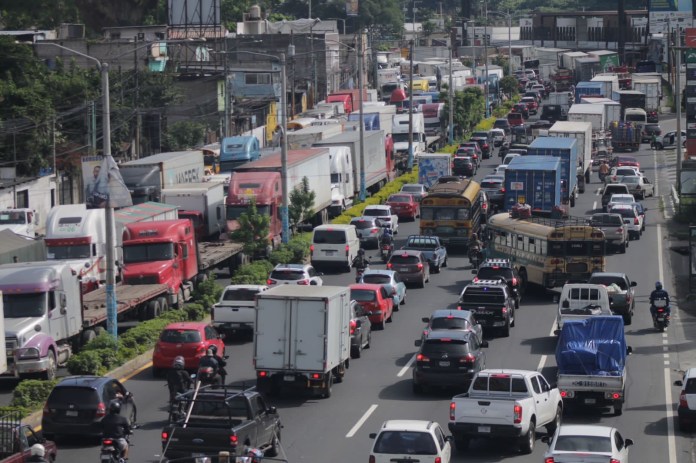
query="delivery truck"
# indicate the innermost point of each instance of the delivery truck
(609, 81)
(566, 149)
(612, 109)
(432, 166)
(651, 86)
(203, 204)
(536, 182)
(629, 99)
(302, 338)
(146, 177)
(305, 138)
(588, 113)
(582, 132)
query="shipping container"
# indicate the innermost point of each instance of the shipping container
(567, 150)
(535, 181)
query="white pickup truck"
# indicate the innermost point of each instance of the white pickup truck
(582, 300)
(385, 215)
(505, 404)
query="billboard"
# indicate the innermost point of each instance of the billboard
(103, 184)
(669, 14)
(352, 7)
(194, 12)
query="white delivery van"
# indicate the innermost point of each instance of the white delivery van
(582, 300)
(334, 245)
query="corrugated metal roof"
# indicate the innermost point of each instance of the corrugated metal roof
(553, 143)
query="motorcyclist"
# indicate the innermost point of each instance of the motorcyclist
(178, 379)
(212, 359)
(387, 237)
(475, 247)
(117, 428)
(659, 294)
(252, 455)
(37, 454)
(360, 262)
(603, 170)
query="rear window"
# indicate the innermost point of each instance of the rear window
(460, 162)
(400, 442)
(412, 188)
(363, 295)
(180, 336)
(329, 237)
(489, 184)
(291, 275)
(484, 296)
(602, 220)
(421, 243)
(615, 189)
(240, 294)
(439, 347)
(499, 383)
(236, 408)
(448, 323)
(399, 199)
(405, 260)
(375, 212)
(363, 224)
(607, 281)
(690, 386)
(583, 444)
(490, 273)
(377, 279)
(73, 395)
(628, 213)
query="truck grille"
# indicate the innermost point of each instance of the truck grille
(143, 280)
(10, 346)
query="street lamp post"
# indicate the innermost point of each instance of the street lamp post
(485, 57)
(410, 106)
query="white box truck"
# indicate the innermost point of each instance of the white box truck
(582, 132)
(591, 113)
(609, 81)
(432, 166)
(203, 204)
(146, 177)
(612, 109)
(651, 85)
(305, 138)
(302, 338)
(400, 125)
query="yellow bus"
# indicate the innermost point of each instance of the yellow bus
(547, 252)
(420, 85)
(452, 211)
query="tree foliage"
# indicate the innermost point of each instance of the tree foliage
(183, 135)
(301, 203)
(508, 84)
(253, 230)
(469, 109)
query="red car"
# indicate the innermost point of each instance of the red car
(404, 206)
(188, 339)
(375, 300)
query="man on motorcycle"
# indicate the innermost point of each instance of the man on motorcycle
(38, 454)
(212, 359)
(117, 428)
(360, 262)
(475, 247)
(603, 170)
(659, 294)
(388, 236)
(178, 379)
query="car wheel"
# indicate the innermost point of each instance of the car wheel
(618, 408)
(628, 318)
(369, 340)
(403, 300)
(422, 283)
(444, 263)
(552, 426)
(274, 448)
(623, 247)
(391, 318)
(356, 352)
(379, 326)
(506, 330)
(529, 439)
(436, 269)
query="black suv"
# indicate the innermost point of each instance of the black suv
(448, 358)
(464, 166)
(77, 405)
(502, 269)
(492, 304)
(484, 142)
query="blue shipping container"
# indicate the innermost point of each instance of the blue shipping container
(589, 89)
(567, 150)
(534, 180)
(371, 120)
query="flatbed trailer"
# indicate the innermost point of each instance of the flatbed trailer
(146, 299)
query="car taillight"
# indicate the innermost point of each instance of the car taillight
(420, 266)
(504, 310)
(270, 282)
(165, 435)
(438, 460)
(107, 442)
(619, 230)
(549, 460)
(422, 358)
(514, 281)
(502, 190)
(304, 282)
(628, 298)
(101, 410)
(468, 358)
(614, 460)
(635, 221)
(233, 440)
(311, 248)
(372, 459)
(390, 265)
(517, 412)
(347, 250)
(453, 408)
(372, 232)
(353, 325)
(682, 400)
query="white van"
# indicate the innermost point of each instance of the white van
(334, 245)
(582, 300)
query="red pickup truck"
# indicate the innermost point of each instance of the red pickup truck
(16, 440)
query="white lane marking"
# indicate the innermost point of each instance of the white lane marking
(542, 360)
(361, 421)
(406, 367)
(597, 193)
(657, 186)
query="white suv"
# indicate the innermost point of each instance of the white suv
(385, 215)
(687, 400)
(632, 220)
(404, 440)
(294, 274)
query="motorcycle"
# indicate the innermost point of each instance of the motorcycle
(207, 375)
(386, 250)
(359, 271)
(475, 257)
(109, 452)
(660, 318)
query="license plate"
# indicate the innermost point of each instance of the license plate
(660, 319)
(484, 429)
(330, 253)
(590, 401)
(404, 269)
(444, 364)
(288, 378)
(106, 458)
(70, 413)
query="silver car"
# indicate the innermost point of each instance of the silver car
(369, 231)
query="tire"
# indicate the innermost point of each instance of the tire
(552, 426)
(505, 331)
(444, 264)
(379, 326)
(328, 388)
(157, 372)
(622, 248)
(391, 317)
(436, 269)
(164, 304)
(572, 201)
(50, 372)
(528, 440)
(274, 447)
(618, 408)
(153, 309)
(422, 283)
(403, 300)
(179, 299)
(461, 443)
(628, 318)
(88, 335)
(356, 352)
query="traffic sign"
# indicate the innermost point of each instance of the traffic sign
(691, 54)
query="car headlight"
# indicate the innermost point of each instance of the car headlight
(27, 353)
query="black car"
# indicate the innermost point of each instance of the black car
(360, 329)
(77, 405)
(492, 304)
(502, 123)
(448, 358)
(485, 143)
(541, 124)
(494, 269)
(464, 166)
(552, 112)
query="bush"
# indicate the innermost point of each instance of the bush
(255, 273)
(85, 363)
(32, 393)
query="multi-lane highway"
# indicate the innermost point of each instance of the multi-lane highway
(378, 385)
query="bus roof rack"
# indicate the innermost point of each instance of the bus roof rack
(556, 222)
(454, 186)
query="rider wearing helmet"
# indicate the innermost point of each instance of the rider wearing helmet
(211, 358)
(360, 262)
(387, 236)
(252, 455)
(178, 379)
(117, 428)
(659, 294)
(38, 454)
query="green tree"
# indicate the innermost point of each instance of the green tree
(301, 203)
(183, 135)
(253, 231)
(508, 84)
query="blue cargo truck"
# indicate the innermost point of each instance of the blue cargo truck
(596, 89)
(566, 149)
(535, 181)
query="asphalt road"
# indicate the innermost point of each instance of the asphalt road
(378, 385)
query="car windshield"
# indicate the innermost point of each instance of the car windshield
(180, 336)
(376, 279)
(72, 251)
(399, 199)
(405, 442)
(363, 295)
(448, 323)
(240, 294)
(287, 274)
(596, 444)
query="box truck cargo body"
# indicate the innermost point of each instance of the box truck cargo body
(582, 132)
(593, 114)
(535, 181)
(566, 150)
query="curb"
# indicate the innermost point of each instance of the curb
(675, 196)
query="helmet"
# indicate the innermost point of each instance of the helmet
(474, 236)
(114, 407)
(38, 450)
(361, 252)
(658, 286)
(179, 362)
(212, 350)
(255, 454)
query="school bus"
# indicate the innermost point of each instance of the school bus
(420, 85)
(452, 211)
(547, 252)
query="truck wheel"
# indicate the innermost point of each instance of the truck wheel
(506, 330)
(164, 305)
(618, 406)
(50, 372)
(528, 440)
(274, 448)
(356, 352)
(179, 299)
(153, 309)
(328, 386)
(88, 335)
(461, 443)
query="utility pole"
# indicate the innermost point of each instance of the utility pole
(410, 107)
(361, 85)
(450, 96)
(285, 237)
(53, 151)
(485, 57)
(677, 101)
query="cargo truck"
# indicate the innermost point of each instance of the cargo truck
(625, 136)
(588, 113)
(302, 338)
(586, 68)
(305, 138)
(432, 166)
(651, 86)
(566, 149)
(400, 131)
(612, 109)
(582, 132)
(379, 169)
(342, 180)
(610, 83)
(146, 177)
(535, 181)
(260, 181)
(629, 99)
(349, 98)
(235, 151)
(203, 204)
(591, 358)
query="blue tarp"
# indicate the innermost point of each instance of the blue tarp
(593, 346)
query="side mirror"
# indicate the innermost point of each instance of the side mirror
(629, 350)
(372, 435)
(628, 442)
(417, 342)
(425, 319)
(272, 410)
(633, 284)
(484, 343)
(679, 383)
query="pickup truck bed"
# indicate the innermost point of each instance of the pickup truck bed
(431, 248)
